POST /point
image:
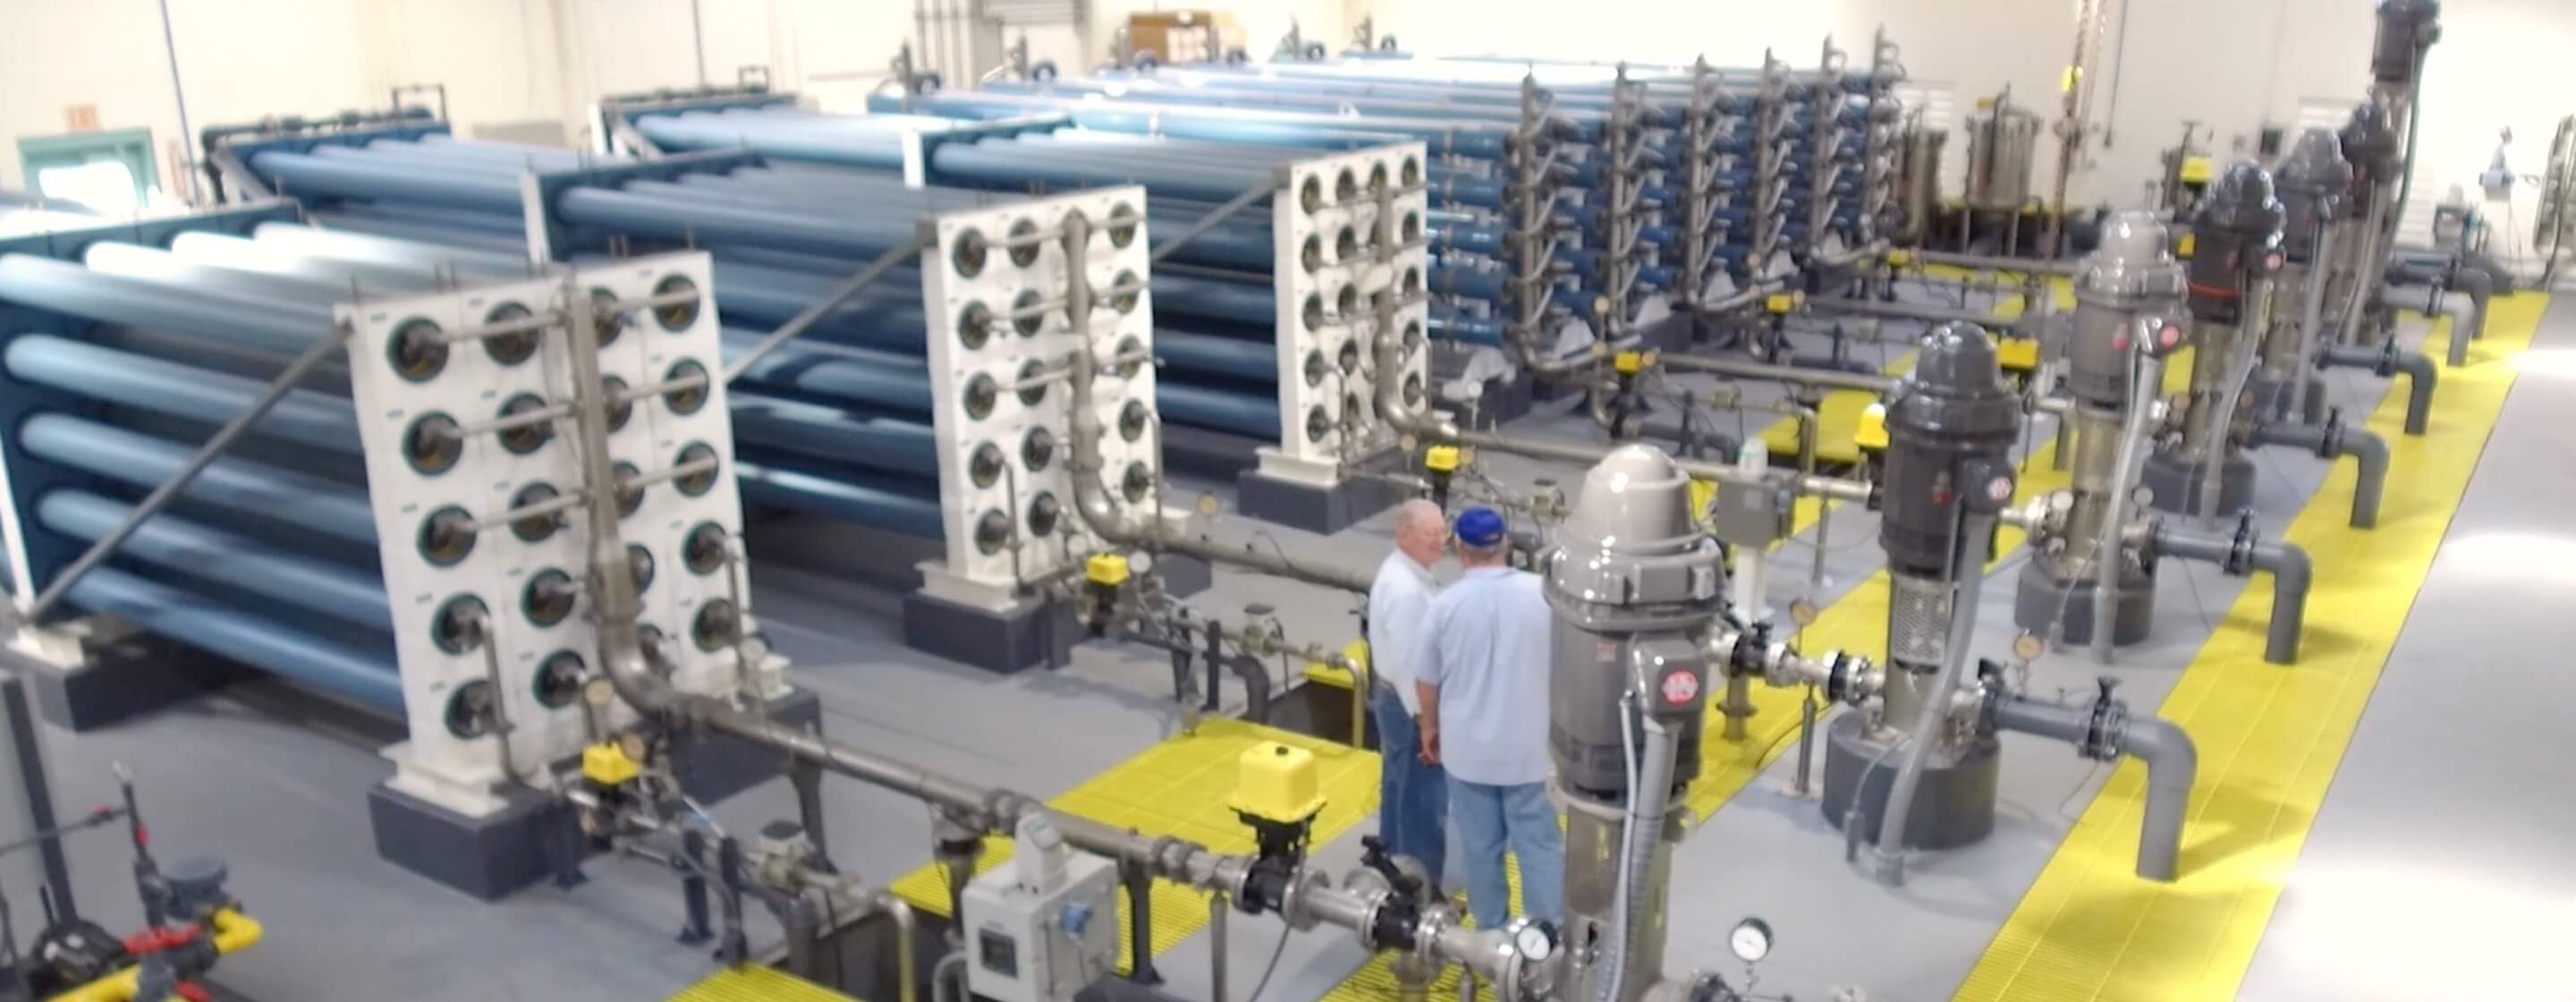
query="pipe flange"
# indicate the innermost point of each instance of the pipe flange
(2240, 546)
(2385, 366)
(1292, 900)
(2110, 718)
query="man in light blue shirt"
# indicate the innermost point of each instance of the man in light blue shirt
(1413, 793)
(1482, 677)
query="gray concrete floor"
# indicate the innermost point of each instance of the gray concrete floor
(2438, 866)
(284, 802)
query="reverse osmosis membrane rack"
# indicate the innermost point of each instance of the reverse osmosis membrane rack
(862, 407)
(1266, 255)
(334, 458)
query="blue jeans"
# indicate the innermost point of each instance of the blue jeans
(1413, 795)
(1490, 816)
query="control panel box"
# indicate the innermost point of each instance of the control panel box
(1029, 944)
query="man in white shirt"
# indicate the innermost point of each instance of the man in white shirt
(1413, 792)
(1482, 677)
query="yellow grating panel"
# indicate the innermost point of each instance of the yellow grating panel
(2270, 737)
(757, 984)
(1179, 788)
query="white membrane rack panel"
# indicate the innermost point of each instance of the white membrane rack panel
(1349, 229)
(476, 477)
(999, 289)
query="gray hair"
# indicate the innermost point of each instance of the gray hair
(1420, 514)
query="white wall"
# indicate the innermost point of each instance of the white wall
(2233, 65)
(502, 60)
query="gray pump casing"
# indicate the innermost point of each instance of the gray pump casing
(1954, 406)
(2311, 183)
(2406, 29)
(2132, 273)
(1634, 582)
(2237, 235)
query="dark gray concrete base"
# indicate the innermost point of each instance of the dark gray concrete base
(2175, 485)
(2063, 610)
(535, 836)
(1032, 633)
(1324, 510)
(838, 550)
(1954, 806)
(1212, 454)
(119, 678)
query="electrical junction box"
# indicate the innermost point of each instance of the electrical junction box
(1041, 945)
(1750, 515)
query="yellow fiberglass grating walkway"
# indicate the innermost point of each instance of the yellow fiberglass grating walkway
(1179, 787)
(757, 984)
(2270, 737)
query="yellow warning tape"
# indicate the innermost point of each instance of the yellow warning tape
(1179, 787)
(2270, 737)
(757, 984)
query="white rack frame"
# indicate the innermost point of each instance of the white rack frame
(1327, 368)
(996, 542)
(466, 773)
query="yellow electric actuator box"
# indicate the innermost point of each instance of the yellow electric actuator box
(1277, 783)
(1871, 433)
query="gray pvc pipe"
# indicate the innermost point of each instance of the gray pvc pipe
(2361, 444)
(2421, 377)
(2477, 285)
(2288, 564)
(2172, 766)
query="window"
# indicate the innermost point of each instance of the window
(108, 172)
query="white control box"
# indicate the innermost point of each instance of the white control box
(1041, 945)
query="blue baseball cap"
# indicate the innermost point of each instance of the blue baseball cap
(1481, 527)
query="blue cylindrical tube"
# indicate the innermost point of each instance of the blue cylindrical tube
(299, 174)
(369, 677)
(838, 496)
(64, 287)
(163, 387)
(167, 541)
(296, 499)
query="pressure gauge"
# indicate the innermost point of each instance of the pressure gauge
(1802, 612)
(2028, 646)
(1534, 941)
(1751, 940)
(601, 692)
(1210, 504)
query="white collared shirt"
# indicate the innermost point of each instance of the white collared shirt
(1398, 607)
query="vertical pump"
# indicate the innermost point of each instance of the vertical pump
(2128, 294)
(2201, 465)
(1635, 584)
(2311, 182)
(1950, 429)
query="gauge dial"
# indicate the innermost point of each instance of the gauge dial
(1535, 942)
(1751, 940)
